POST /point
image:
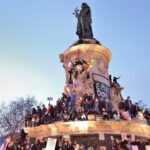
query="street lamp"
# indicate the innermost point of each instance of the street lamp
(49, 99)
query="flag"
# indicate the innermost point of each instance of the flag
(126, 115)
(93, 62)
(66, 90)
(141, 104)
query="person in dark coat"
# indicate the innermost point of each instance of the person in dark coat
(23, 135)
(102, 104)
(122, 105)
(115, 80)
(135, 109)
(44, 109)
(39, 111)
(109, 108)
(128, 105)
(34, 111)
(33, 147)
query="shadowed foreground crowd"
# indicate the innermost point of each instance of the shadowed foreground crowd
(23, 143)
(68, 108)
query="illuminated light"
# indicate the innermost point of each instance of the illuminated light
(69, 64)
(90, 66)
(147, 147)
(82, 125)
(94, 48)
(88, 127)
(54, 130)
(93, 62)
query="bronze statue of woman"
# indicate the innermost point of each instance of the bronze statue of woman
(84, 28)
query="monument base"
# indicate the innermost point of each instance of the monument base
(89, 127)
(86, 41)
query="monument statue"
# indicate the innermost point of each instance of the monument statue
(84, 28)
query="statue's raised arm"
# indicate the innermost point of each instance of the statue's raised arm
(84, 28)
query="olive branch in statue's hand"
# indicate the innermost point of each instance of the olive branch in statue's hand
(76, 12)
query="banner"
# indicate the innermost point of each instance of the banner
(51, 143)
(101, 137)
(123, 136)
(66, 136)
(147, 147)
(101, 86)
(135, 147)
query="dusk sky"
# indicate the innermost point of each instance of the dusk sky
(34, 32)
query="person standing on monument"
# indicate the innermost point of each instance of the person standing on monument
(84, 28)
(128, 105)
(115, 81)
(73, 102)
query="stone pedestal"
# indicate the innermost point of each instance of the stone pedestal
(89, 127)
(97, 58)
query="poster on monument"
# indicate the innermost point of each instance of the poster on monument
(124, 136)
(102, 147)
(101, 86)
(51, 143)
(135, 147)
(66, 136)
(101, 136)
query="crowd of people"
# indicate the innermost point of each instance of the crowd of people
(128, 144)
(68, 108)
(112, 143)
(22, 143)
(72, 108)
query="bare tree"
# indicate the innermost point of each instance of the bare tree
(12, 114)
